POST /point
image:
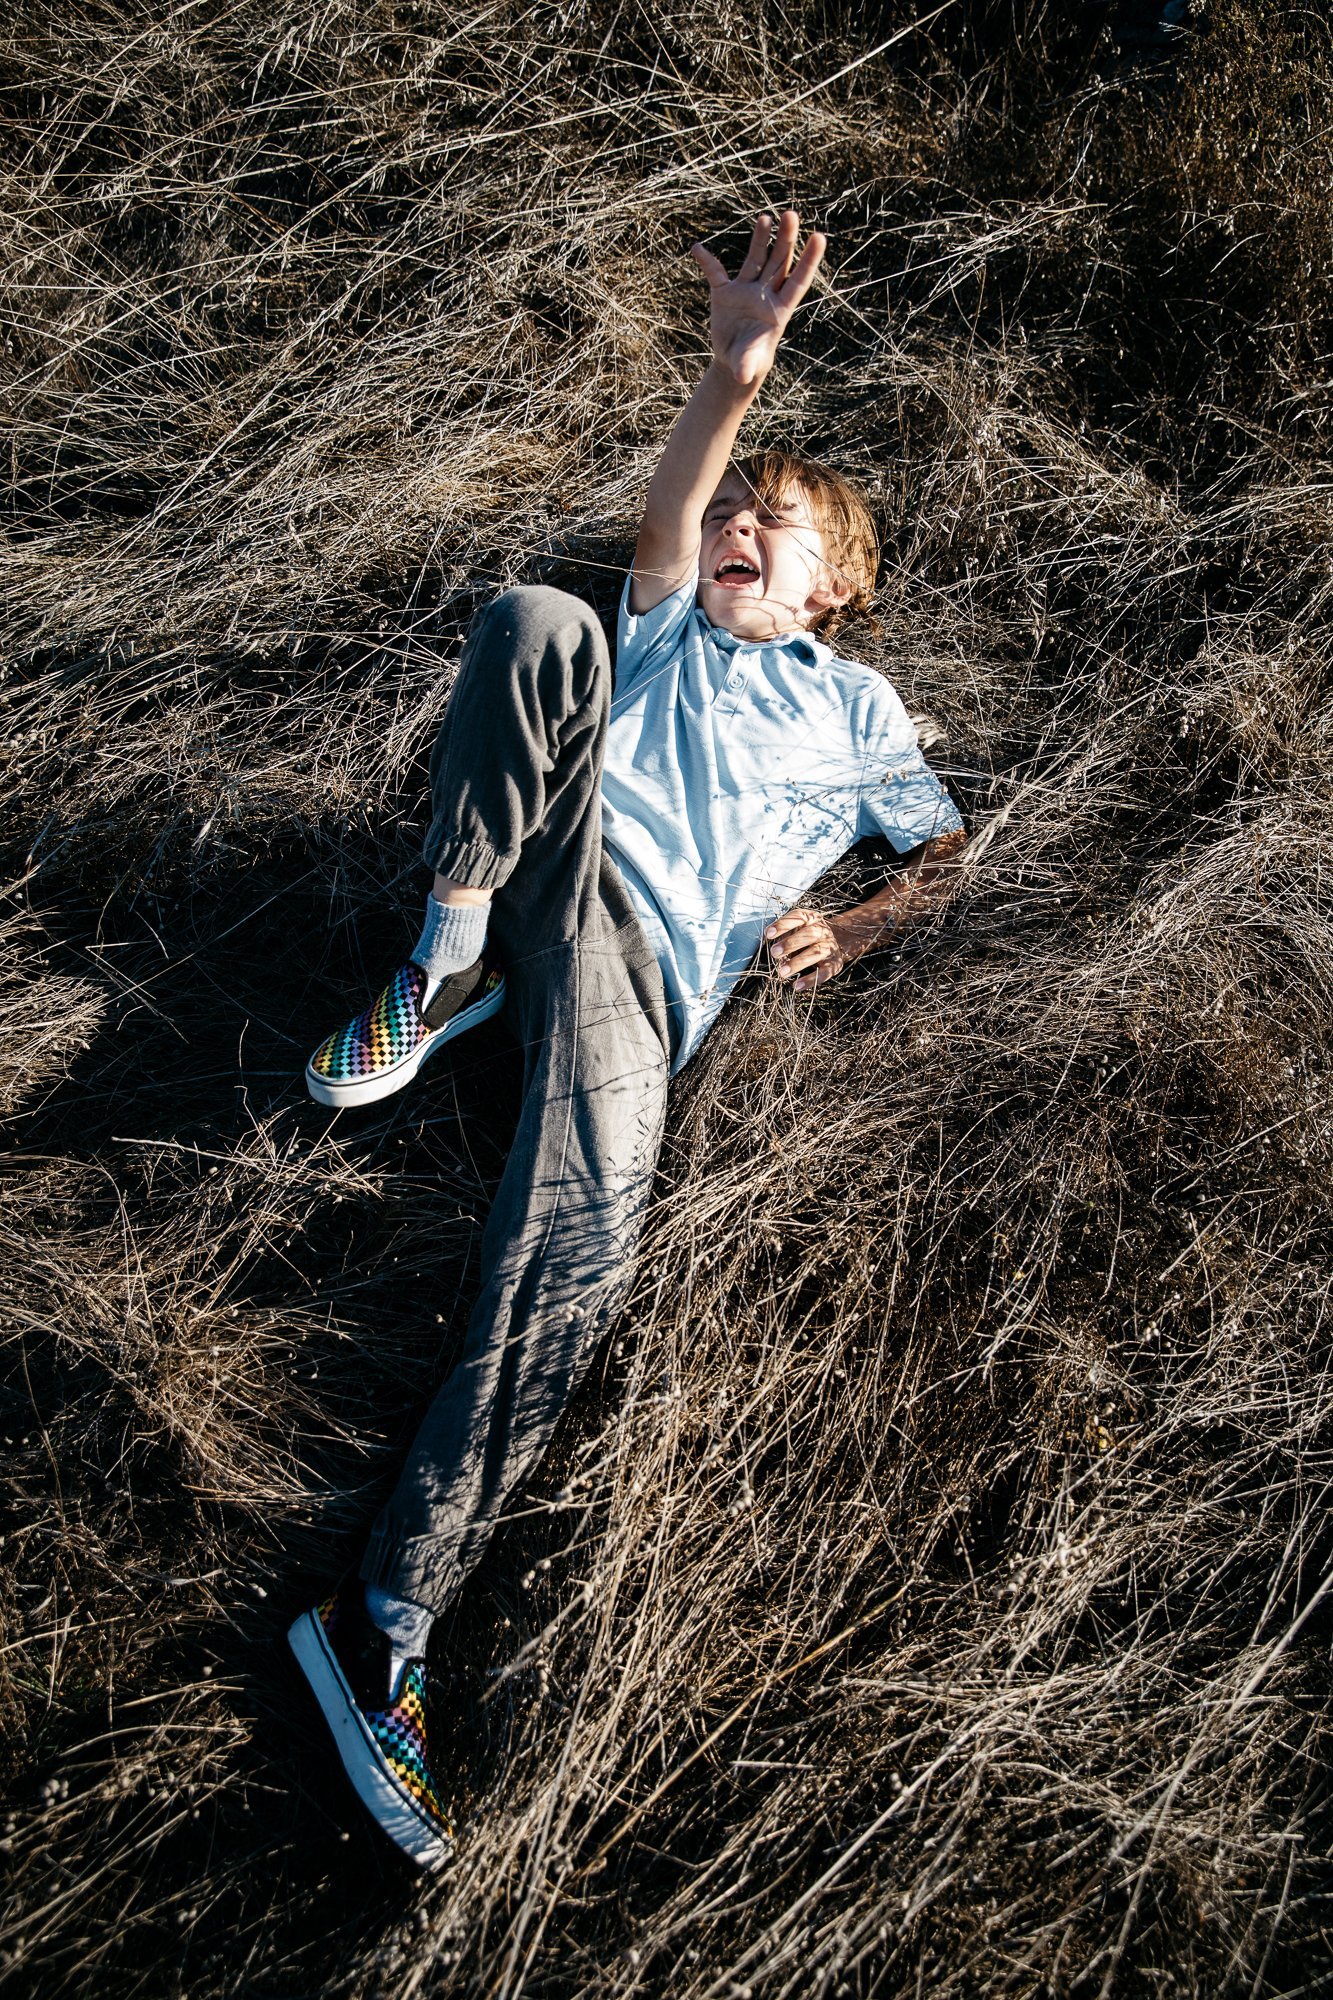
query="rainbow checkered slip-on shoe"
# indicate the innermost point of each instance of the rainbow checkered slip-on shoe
(380, 1731)
(384, 1047)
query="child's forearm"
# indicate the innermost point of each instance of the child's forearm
(747, 316)
(692, 463)
(808, 948)
(931, 880)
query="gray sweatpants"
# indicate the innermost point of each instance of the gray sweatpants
(516, 800)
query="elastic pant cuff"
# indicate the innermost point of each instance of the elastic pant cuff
(388, 1566)
(471, 863)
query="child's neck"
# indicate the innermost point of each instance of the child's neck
(766, 638)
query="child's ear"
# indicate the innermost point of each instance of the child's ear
(831, 588)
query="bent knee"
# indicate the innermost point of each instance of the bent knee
(537, 611)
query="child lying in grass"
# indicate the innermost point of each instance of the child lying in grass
(608, 860)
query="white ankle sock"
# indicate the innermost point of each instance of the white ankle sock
(406, 1626)
(452, 938)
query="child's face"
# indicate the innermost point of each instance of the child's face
(763, 570)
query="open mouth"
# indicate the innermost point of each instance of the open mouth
(736, 570)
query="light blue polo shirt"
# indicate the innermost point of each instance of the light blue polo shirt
(736, 773)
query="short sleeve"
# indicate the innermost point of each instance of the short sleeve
(901, 798)
(646, 637)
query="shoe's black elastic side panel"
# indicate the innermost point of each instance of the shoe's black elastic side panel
(454, 994)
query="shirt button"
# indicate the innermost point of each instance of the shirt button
(735, 679)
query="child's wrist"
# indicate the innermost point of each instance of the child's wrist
(736, 390)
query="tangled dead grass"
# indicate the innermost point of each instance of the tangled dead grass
(928, 1594)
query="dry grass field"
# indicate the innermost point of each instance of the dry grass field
(928, 1595)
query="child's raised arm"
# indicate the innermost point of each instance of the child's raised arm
(748, 316)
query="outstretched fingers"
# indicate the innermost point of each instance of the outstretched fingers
(712, 267)
(784, 242)
(753, 261)
(768, 261)
(797, 283)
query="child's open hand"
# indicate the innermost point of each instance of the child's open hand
(748, 314)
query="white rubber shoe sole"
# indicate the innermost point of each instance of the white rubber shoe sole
(366, 1089)
(392, 1808)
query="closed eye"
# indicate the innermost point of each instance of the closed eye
(764, 515)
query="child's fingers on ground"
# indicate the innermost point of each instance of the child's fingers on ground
(790, 920)
(827, 967)
(787, 950)
(810, 949)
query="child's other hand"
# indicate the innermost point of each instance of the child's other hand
(748, 314)
(807, 949)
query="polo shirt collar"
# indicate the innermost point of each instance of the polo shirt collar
(806, 649)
